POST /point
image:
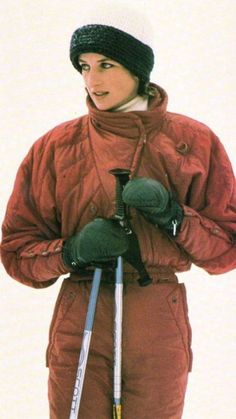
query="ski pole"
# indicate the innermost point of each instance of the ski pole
(122, 177)
(85, 344)
(118, 339)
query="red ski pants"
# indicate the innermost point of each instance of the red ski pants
(156, 351)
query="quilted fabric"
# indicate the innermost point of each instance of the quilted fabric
(64, 182)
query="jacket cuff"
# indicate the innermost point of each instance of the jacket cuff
(201, 237)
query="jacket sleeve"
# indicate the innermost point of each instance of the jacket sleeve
(31, 248)
(208, 235)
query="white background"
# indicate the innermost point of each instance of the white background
(196, 64)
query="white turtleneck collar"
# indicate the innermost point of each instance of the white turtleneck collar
(139, 103)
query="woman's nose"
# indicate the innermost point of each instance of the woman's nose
(94, 77)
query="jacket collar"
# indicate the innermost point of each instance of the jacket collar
(131, 124)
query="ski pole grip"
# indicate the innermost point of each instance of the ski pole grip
(122, 177)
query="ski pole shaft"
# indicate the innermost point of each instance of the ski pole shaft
(118, 339)
(85, 344)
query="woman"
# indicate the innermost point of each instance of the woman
(59, 219)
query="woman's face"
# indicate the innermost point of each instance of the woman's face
(109, 84)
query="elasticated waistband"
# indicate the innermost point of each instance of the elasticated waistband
(161, 274)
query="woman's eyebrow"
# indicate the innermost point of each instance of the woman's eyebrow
(105, 59)
(99, 61)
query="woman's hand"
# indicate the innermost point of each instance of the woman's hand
(99, 241)
(154, 202)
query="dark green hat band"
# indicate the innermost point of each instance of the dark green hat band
(137, 57)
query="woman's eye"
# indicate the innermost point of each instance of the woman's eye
(107, 65)
(84, 67)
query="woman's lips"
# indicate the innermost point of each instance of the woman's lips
(100, 94)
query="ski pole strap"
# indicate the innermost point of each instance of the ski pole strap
(133, 255)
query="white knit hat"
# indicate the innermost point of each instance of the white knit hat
(121, 15)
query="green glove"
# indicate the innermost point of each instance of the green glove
(98, 242)
(154, 202)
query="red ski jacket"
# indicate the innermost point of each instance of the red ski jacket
(63, 183)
